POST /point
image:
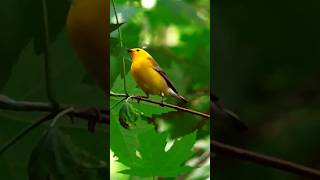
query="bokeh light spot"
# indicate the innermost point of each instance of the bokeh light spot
(148, 4)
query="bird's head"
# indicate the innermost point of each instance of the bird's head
(138, 53)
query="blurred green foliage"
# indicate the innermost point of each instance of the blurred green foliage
(266, 69)
(177, 35)
(22, 78)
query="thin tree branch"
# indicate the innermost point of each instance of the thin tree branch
(121, 45)
(178, 108)
(7, 103)
(269, 161)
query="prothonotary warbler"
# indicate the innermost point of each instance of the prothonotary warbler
(150, 77)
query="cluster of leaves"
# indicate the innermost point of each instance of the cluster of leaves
(136, 143)
(22, 78)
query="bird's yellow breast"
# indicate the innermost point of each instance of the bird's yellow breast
(87, 28)
(150, 81)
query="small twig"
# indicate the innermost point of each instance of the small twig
(121, 45)
(26, 130)
(207, 116)
(202, 159)
(284, 165)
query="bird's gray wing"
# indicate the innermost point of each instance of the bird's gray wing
(157, 68)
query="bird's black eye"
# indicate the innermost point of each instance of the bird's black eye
(138, 49)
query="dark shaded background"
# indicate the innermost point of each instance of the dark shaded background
(266, 69)
(22, 78)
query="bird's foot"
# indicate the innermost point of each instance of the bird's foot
(162, 103)
(162, 97)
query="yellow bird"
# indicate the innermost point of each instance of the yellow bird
(150, 77)
(87, 26)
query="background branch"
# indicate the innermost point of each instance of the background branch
(269, 161)
(7, 103)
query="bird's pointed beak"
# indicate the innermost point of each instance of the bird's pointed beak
(129, 50)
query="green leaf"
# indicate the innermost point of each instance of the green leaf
(87, 79)
(115, 45)
(67, 75)
(5, 169)
(67, 85)
(155, 161)
(116, 49)
(23, 22)
(128, 115)
(123, 142)
(114, 27)
(131, 85)
(56, 158)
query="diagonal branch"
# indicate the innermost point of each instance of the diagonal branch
(269, 161)
(178, 108)
(7, 103)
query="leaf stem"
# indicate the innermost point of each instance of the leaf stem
(7, 103)
(235, 152)
(121, 45)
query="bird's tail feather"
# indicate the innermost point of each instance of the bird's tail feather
(182, 98)
(237, 123)
(176, 95)
(229, 115)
